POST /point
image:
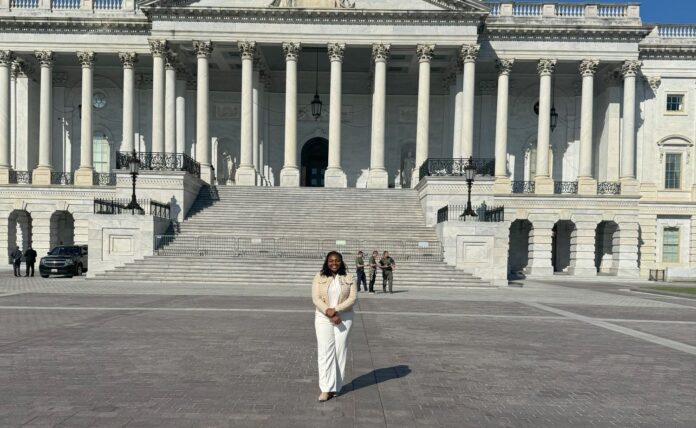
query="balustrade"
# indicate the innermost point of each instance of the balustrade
(570, 10)
(677, 31)
(485, 214)
(455, 166)
(609, 188)
(612, 10)
(20, 177)
(523, 187)
(24, 4)
(108, 4)
(161, 162)
(65, 4)
(565, 187)
(63, 178)
(564, 10)
(104, 179)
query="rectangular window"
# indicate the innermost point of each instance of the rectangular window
(670, 245)
(673, 171)
(675, 103)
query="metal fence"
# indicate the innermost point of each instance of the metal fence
(454, 167)
(485, 214)
(656, 275)
(20, 177)
(120, 206)
(565, 187)
(229, 246)
(157, 161)
(523, 187)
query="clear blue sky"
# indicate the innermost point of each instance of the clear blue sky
(664, 11)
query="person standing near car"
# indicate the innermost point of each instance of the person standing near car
(30, 260)
(16, 256)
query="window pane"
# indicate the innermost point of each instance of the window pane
(675, 102)
(670, 245)
(673, 171)
(100, 154)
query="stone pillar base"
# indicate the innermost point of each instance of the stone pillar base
(246, 176)
(630, 187)
(378, 179)
(336, 178)
(502, 186)
(415, 178)
(290, 177)
(543, 186)
(207, 173)
(84, 177)
(587, 186)
(42, 176)
(5, 174)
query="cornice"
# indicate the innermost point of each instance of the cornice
(75, 25)
(555, 33)
(684, 53)
(314, 16)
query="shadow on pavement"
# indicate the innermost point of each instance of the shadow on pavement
(376, 376)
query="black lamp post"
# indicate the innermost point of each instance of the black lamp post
(469, 173)
(134, 166)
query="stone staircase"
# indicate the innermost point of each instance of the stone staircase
(242, 235)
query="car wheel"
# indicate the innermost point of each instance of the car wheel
(78, 270)
(44, 276)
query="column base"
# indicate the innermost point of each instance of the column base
(543, 186)
(630, 187)
(84, 177)
(246, 176)
(335, 178)
(42, 176)
(5, 174)
(207, 173)
(378, 179)
(290, 177)
(502, 186)
(587, 186)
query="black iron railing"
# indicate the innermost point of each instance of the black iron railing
(120, 206)
(64, 178)
(609, 188)
(20, 177)
(656, 275)
(157, 161)
(565, 187)
(485, 214)
(523, 187)
(454, 167)
(103, 179)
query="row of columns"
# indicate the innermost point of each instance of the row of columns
(587, 184)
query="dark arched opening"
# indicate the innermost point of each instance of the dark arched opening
(62, 229)
(518, 252)
(314, 160)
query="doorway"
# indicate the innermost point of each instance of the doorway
(315, 159)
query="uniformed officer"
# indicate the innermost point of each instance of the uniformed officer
(30, 259)
(387, 264)
(360, 271)
(373, 270)
(16, 256)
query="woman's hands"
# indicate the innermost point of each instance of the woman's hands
(330, 312)
(336, 319)
(333, 315)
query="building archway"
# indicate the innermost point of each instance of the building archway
(19, 231)
(560, 246)
(518, 252)
(314, 161)
(606, 247)
(62, 229)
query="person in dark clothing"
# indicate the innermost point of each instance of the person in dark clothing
(373, 270)
(30, 260)
(387, 264)
(16, 256)
(360, 271)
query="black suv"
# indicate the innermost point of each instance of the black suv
(70, 260)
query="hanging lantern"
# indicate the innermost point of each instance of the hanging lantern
(554, 118)
(316, 106)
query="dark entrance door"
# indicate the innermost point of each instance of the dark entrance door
(315, 159)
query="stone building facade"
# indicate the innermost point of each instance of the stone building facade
(586, 112)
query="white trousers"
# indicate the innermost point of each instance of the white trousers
(332, 350)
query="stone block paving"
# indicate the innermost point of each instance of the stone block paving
(107, 357)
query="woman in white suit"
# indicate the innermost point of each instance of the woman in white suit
(333, 294)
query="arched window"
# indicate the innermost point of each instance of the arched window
(101, 153)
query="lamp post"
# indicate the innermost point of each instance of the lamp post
(134, 166)
(469, 173)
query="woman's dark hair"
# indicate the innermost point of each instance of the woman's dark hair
(325, 271)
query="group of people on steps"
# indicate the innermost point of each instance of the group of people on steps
(386, 264)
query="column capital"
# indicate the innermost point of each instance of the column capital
(158, 47)
(203, 48)
(247, 50)
(504, 66)
(380, 52)
(86, 58)
(336, 51)
(546, 67)
(425, 52)
(128, 59)
(6, 58)
(291, 50)
(630, 68)
(654, 82)
(16, 68)
(170, 60)
(588, 67)
(469, 53)
(46, 58)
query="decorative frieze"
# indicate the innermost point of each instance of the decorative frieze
(546, 67)
(425, 52)
(336, 51)
(631, 68)
(158, 47)
(291, 51)
(46, 58)
(86, 58)
(128, 59)
(247, 50)
(380, 52)
(469, 53)
(504, 66)
(203, 48)
(588, 67)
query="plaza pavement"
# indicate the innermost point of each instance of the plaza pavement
(77, 353)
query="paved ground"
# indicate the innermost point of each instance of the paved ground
(79, 353)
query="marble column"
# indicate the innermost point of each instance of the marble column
(14, 74)
(181, 111)
(42, 173)
(246, 175)
(587, 184)
(542, 179)
(256, 81)
(629, 184)
(290, 174)
(425, 55)
(458, 98)
(502, 179)
(85, 173)
(335, 176)
(469, 53)
(5, 116)
(170, 103)
(203, 50)
(158, 49)
(378, 177)
(128, 60)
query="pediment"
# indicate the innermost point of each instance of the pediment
(392, 5)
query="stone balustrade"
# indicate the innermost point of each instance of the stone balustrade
(677, 31)
(566, 10)
(68, 5)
